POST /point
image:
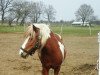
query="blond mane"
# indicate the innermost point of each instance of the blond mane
(44, 31)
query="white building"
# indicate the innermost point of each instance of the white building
(81, 23)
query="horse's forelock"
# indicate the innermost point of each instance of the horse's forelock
(29, 32)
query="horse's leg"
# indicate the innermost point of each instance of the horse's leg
(45, 71)
(56, 70)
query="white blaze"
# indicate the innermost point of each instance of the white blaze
(61, 48)
(23, 46)
(25, 42)
(20, 52)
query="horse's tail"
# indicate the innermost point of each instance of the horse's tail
(61, 30)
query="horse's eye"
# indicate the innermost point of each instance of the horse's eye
(31, 38)
(36, 36)
(30, 34)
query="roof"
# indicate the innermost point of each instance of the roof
(80, 23)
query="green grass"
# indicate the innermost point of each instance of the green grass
(8, 29)
(66, 30)
(77, 31)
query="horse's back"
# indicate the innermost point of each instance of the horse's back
(58, 36)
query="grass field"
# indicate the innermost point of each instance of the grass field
(82, 52)
(67, 30)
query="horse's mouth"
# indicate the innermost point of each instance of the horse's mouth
(24, 56)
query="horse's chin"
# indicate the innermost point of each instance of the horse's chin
(25, 56)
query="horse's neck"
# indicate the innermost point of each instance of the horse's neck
(51, 41)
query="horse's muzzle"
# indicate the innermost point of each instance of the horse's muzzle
(23, 54)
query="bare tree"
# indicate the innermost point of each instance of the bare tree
(17, 8)
(50, 13)
(36, 11)
(4, 7)
(10, 17)
(22, 10)
(25, 12)
(84, 13)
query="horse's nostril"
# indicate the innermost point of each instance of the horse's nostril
(21, 54)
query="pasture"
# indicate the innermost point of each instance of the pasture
(81, 59)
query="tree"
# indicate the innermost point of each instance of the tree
(84, 13)
(25, 12)
(4, 7)
(22, 10)
(11, 16)
(17, 8)
(50, 13)
(36, 11)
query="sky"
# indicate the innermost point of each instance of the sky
(65, 9)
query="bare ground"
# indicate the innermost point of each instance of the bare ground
(82, 55)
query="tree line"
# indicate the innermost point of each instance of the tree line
(21, 11)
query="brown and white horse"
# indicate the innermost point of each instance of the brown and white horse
(49, 46)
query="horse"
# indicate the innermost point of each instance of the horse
(50, 47)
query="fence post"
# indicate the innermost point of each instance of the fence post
(99, 52)
(90, 30)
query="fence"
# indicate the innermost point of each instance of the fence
(99, 51)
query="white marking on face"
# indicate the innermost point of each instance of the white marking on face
(23, 54)
(20, 52)
(61, 48)
(25, 42)
(23, 46)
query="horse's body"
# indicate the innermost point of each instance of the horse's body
(51, 49)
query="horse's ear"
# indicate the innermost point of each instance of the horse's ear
(35, 28)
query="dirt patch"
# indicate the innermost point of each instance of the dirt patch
(24, 68)
(85, 69)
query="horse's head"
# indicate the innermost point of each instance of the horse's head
(32, 42)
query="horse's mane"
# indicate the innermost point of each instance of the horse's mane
(44, 30)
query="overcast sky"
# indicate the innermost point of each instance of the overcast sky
(66, 8)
